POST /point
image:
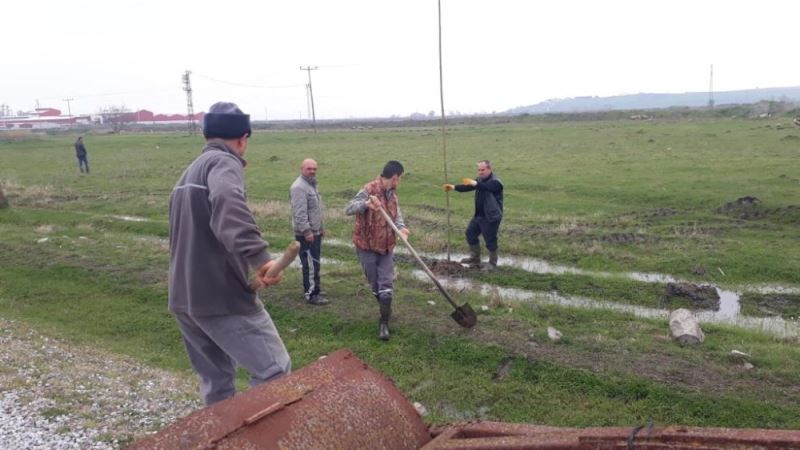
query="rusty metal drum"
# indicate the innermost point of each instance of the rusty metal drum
(337, 402)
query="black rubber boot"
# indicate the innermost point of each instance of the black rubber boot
(383, 324)
(493, 258)
(474, 258)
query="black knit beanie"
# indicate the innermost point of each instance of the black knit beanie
(226, 121)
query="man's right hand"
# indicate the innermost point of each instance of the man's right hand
(373, 203)
(266, 280)
(449, 187)
(309, 236)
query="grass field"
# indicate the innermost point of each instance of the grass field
(611, 196)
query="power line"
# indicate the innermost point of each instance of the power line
(254, 86)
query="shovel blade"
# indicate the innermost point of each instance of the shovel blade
(465, 316)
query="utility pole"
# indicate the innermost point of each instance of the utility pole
(311, 94)
(711, 89)
(444, 139)
(69, 109)
(187, 86)
(308, 101)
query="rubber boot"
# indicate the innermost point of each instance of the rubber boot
(493, 259)
(383, 324)
(474, 258)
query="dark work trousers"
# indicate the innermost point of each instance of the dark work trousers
(310, 255)
(216, 344)
(83, 164)
(379, 270)
(480, 226)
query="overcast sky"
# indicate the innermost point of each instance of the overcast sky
(378, 58)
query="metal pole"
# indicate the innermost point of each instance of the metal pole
(69, 108)
(444, 142)
(311, 94)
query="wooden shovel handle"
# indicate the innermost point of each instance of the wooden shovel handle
(281, 263)
(430, 274)
(286, 258)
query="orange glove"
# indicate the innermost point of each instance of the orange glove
(468, 182)
(448, 187)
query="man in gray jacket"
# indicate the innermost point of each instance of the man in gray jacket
(307, 224)
(216, 249)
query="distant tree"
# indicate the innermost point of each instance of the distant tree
(118, 117)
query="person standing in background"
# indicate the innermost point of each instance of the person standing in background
(488, 212)
(307, 224)
(80, 153)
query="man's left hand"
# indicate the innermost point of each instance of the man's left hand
(469, 182)
(405, 232)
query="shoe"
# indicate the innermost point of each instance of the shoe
(383, 322)
(383, 331)
(317, 300)
(493, 259)
(474, 257)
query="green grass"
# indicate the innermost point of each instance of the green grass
(613, 196)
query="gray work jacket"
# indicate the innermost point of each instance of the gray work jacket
(213, 238)
(306, 206)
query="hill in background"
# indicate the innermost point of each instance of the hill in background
(658, 101)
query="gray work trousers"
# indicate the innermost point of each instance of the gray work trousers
(379, 270)
(215, 345)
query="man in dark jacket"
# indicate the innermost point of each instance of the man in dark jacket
(215, 250)
(80, 153)
(488, 212)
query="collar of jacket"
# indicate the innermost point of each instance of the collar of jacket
(387, 192)
(222, 147)
(488, 177)
(310, 180)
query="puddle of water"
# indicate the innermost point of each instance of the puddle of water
(132, 218)
(729, 306)
(729, 299)
(771, 289)
(728, 313)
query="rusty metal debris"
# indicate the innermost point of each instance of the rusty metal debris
(498, 436)
(340, 403)
(337, 402)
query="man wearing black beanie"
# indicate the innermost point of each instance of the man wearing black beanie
(215, 249)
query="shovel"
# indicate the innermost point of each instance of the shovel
(464, 314)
